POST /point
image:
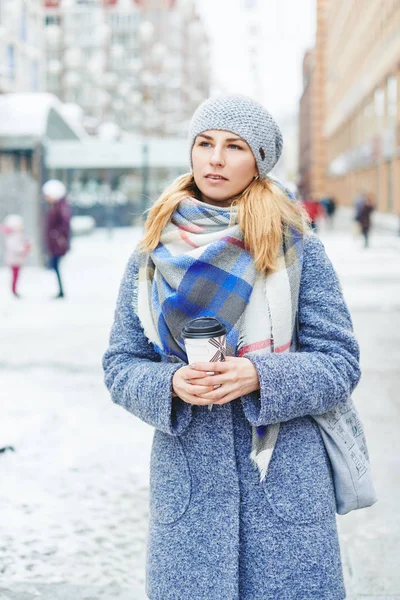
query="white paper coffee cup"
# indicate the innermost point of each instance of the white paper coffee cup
(205, 341)
(206, 350)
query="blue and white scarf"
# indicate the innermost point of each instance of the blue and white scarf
(202, 268)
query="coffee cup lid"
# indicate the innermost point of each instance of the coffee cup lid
(203, 327)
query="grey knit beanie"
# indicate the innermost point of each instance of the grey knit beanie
(244, 117)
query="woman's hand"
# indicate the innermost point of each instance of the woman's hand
(188, 384)
(233, 379)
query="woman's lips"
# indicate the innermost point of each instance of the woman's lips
(216, 178)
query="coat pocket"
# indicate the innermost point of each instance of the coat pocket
(170, 484)
(299, 484)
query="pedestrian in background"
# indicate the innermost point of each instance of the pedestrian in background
(242, 503)
(17, 247)
(57, 226)
(358, 203)
(364, 218)
(329, 204)
(313, 210)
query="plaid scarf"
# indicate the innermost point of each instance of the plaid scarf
(201, 268)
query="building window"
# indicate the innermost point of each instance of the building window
(391, 94)
(52, 20)
(11, 62)
(389, 188)
(379, 102)
(22, 24)
(35, 76)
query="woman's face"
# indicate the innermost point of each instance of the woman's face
(223, 166)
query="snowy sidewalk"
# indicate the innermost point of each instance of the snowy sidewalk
(74, 494)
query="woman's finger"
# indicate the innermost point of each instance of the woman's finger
(221, 367)
(218, 393)
(191, 374)
(198, 390)
(204, 382)
(214, 380)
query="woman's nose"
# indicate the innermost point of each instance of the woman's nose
(217, 157)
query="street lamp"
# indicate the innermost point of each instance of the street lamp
(73, 58)
(110, 80)
(103, 33)
(146, 31)
(117, 51)
(135, 65)
(96, 64)
(103, 98)
(118, 105)
(195, 32)
(159, 51)
(135, 98)
(124, 88)
(53, 35)
(54, 67)
(72, 79)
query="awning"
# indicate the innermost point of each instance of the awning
(28, 119)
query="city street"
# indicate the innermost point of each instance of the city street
(73, 500)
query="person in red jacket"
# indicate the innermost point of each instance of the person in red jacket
(57, 226)
(314, 210)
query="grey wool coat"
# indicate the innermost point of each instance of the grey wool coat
(215, 531)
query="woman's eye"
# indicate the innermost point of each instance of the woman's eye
(204, 144)
(235, 147)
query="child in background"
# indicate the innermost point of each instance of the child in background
(17, 247)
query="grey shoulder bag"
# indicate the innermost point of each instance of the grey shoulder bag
(343, 435)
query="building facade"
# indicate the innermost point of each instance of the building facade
(78, 47)
(304, 181)
(312, 147)
(21, 56)
(362, 100)
(140, 64)
(21, 46)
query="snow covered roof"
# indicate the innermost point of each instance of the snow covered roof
(26, 119)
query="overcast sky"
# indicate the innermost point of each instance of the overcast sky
(279, 31)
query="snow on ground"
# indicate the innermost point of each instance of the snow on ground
(74, 493)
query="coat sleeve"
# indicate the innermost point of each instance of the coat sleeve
(324, 372)
(134, 374)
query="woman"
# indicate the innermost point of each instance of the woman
(227, 241)
(57, 231)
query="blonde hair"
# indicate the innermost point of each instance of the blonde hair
(263, 211)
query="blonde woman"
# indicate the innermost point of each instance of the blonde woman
(242, 503)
